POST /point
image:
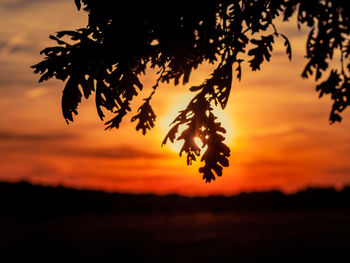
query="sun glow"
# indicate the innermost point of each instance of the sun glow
(179, 104)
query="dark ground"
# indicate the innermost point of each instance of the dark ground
(42, 224)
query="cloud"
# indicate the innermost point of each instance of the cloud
(121, 152)
(2, 45)
(274, 163)
(22, 4)
(13, 46)
(34, 137)
(276, 132)
(25, 48)
(345, 170)
(63, 144)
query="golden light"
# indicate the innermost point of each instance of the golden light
(179, 103)
(198, 141)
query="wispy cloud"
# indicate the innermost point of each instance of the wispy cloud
(34, 137)
(121, 152)
(65, 144)
(344, 170)
(22, 4)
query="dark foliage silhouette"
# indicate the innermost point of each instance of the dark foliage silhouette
(122, 39)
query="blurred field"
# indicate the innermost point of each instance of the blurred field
(289, 235)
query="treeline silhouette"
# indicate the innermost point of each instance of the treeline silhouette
(57, 224)
(28, 199)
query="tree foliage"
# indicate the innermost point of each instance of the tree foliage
(122, 39)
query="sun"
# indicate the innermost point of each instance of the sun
(179, 103)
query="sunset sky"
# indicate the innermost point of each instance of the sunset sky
(279, 133)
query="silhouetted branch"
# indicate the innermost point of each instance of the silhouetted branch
(108, 56)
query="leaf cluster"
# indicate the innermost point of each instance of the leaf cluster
(122, 39)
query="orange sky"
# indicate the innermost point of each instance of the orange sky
(279, 132)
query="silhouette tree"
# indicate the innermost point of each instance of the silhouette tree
(123, 38)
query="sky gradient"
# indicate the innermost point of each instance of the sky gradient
(279, 133)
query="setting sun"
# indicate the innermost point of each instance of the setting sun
(179, 103)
